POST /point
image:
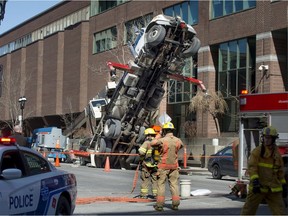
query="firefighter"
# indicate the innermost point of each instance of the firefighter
(266, 171)
(148, 160)
(168, 166)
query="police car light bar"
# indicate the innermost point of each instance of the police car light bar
(7, 141)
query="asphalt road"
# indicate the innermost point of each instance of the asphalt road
(109, 193)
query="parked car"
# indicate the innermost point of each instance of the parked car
(30, 184)
(221, 163)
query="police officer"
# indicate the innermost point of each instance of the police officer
(148, 159)
(168, 166)
(266, 171)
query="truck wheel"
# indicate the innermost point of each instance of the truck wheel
(141, 135)
(155, 100)
(192, 50)
(117, 131)
(63, 206)
(101, 146)
(109, 128)
(155, 36)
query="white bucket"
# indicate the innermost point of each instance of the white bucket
(185, 188)
(215, 142)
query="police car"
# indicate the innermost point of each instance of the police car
(29, 184)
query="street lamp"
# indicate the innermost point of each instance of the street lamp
(22, 100)
(2, 9)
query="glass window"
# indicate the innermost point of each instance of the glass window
(223, 57)
(99, 6)
(132, 25)
(180, 92)
(224, 7)
(232, 55)
(234, 75)
(177, 10)
(242, 80)
(36, 165)
(228, 7)
(222, 86)
(242, 53)
(188, 10)
(105, 40)
(193, 12)
(238, 5)
(217, 8)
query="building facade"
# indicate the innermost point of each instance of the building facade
(57, 59)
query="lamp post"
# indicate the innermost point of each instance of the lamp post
(2, 9)
(22, 100)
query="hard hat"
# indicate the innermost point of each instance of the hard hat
(149, 131)
(168, 125)
(270, 131)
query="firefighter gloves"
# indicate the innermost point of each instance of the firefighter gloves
(256, 186)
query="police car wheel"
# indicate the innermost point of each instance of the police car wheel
(63, 206)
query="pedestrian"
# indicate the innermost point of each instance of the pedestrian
(20, 139)
(148, 160)
(168, 166)
(266, 171)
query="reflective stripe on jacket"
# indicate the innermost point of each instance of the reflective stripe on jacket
(145, 152)
(269, 169)
(170, 146)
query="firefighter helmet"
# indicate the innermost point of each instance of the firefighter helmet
(149, 131)
(168, 125)
(270, 131)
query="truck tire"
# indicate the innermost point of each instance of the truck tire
(155, 100)
(117, 131)
(155, 36)
(100, 148)
(112, 128)
(109, 128)
(192, 50)
(141, 136)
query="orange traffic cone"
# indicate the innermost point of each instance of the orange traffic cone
(107, 165)
(57, 161)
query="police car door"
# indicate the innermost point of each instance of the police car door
(25, 195)
(17, 195)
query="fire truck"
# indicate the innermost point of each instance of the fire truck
(159, 51)
(256, 112)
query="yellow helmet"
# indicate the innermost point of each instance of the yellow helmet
(270, 131)
(168, 125)
(149, 131)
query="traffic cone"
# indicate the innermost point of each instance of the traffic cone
(107, 165)
(57, 161)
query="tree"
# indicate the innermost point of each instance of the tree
(12, 87)
(211, 102)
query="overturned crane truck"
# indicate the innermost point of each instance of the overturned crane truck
(256, 112)
(160, 51)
